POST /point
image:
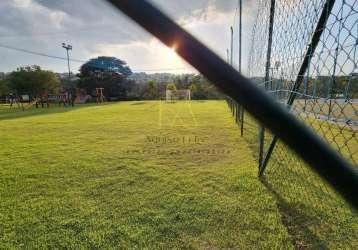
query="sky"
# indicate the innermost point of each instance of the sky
(94, 28)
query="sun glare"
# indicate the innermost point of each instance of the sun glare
(171, 55)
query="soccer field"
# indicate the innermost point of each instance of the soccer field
(150, 175)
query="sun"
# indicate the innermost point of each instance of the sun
(171, 55)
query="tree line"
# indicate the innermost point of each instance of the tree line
(34, 81)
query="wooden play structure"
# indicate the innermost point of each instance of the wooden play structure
(68, 97)
(15, 101)
(82, 96)
(24, 102)
(99, 95)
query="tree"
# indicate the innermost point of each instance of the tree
(193, 88)
(32, 80)
(4, 89)
(151, 91)
(171, 86)
(202, 89)
(107, 64)
(109, 73)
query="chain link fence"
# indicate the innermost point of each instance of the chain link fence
(323, 93)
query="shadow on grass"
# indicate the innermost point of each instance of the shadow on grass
(296, 219)
(10, 114)
(138, 103)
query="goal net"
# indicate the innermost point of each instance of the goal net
(174, 95)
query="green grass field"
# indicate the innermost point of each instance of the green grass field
(314, 214)
(142, 175)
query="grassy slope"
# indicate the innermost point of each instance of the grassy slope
(88, 177)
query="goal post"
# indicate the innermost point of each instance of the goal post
(180, 94)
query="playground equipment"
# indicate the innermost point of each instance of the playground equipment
(12, 101)
(43, 99)
(15, 100)
(82, 96)
(24, 102)
(99, 95)
(68, 97)
(34, 102)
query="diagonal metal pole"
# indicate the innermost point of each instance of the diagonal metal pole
(340, 174)
(236, 108)
(267, 79)
(327, 8)
(231, 45)
(240, 49)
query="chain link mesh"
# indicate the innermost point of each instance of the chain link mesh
(327, 101)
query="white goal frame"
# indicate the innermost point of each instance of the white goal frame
(180, 94)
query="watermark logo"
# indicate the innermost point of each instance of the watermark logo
(185, 139)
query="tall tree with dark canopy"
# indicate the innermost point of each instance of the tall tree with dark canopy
(109, 73)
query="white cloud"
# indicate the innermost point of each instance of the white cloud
(145, 55)
(94, 29)
(22, 3)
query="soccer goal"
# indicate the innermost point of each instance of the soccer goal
(180, 94)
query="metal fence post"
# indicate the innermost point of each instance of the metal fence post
(267, 78)
(327, 8)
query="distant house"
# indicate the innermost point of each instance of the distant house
(64, 76)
